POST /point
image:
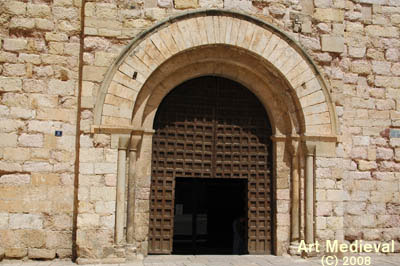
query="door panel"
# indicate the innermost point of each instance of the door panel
(211, 128)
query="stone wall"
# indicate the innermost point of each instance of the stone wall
(39, 51)
(355, 44)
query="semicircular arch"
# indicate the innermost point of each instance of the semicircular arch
(130, 83)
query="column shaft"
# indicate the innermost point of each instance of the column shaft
(120, 203)
(295, 208)
(309, 193)
(130, 227)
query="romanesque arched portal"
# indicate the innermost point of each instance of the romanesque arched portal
(243, 49)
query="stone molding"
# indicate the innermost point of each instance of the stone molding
(169, 38)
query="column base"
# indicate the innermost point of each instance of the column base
(131, 252)
(294, 249)
(311, 252)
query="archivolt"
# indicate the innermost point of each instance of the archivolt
(223, 43)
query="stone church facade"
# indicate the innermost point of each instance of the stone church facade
(82, 82)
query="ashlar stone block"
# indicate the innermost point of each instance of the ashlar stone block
(25, 221)
(332, 43)
(34, 253)
(8, 140)
(31, 140)
(329, 14)
(14, 44)
(185, 4)
(88, 220)
(15, 7)
(14, 179)
(4, 220)
(164, 3)
(211, 3)
(366, 165)
(22, 23)
(15, 253)
(10, 84)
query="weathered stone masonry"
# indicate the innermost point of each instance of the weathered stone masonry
(331, 114)
(38, 87)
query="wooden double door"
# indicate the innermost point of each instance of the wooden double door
(211, 127)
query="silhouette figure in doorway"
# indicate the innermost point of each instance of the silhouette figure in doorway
(239, 230)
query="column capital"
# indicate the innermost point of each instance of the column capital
(135, 140)
(123, 142)
(309, 148)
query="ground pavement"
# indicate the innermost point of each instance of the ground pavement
(215, 260)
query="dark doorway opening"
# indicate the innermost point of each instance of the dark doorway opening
(205, 210)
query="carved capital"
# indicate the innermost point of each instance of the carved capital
(123, 142)
(309, 148)
(135, 141)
